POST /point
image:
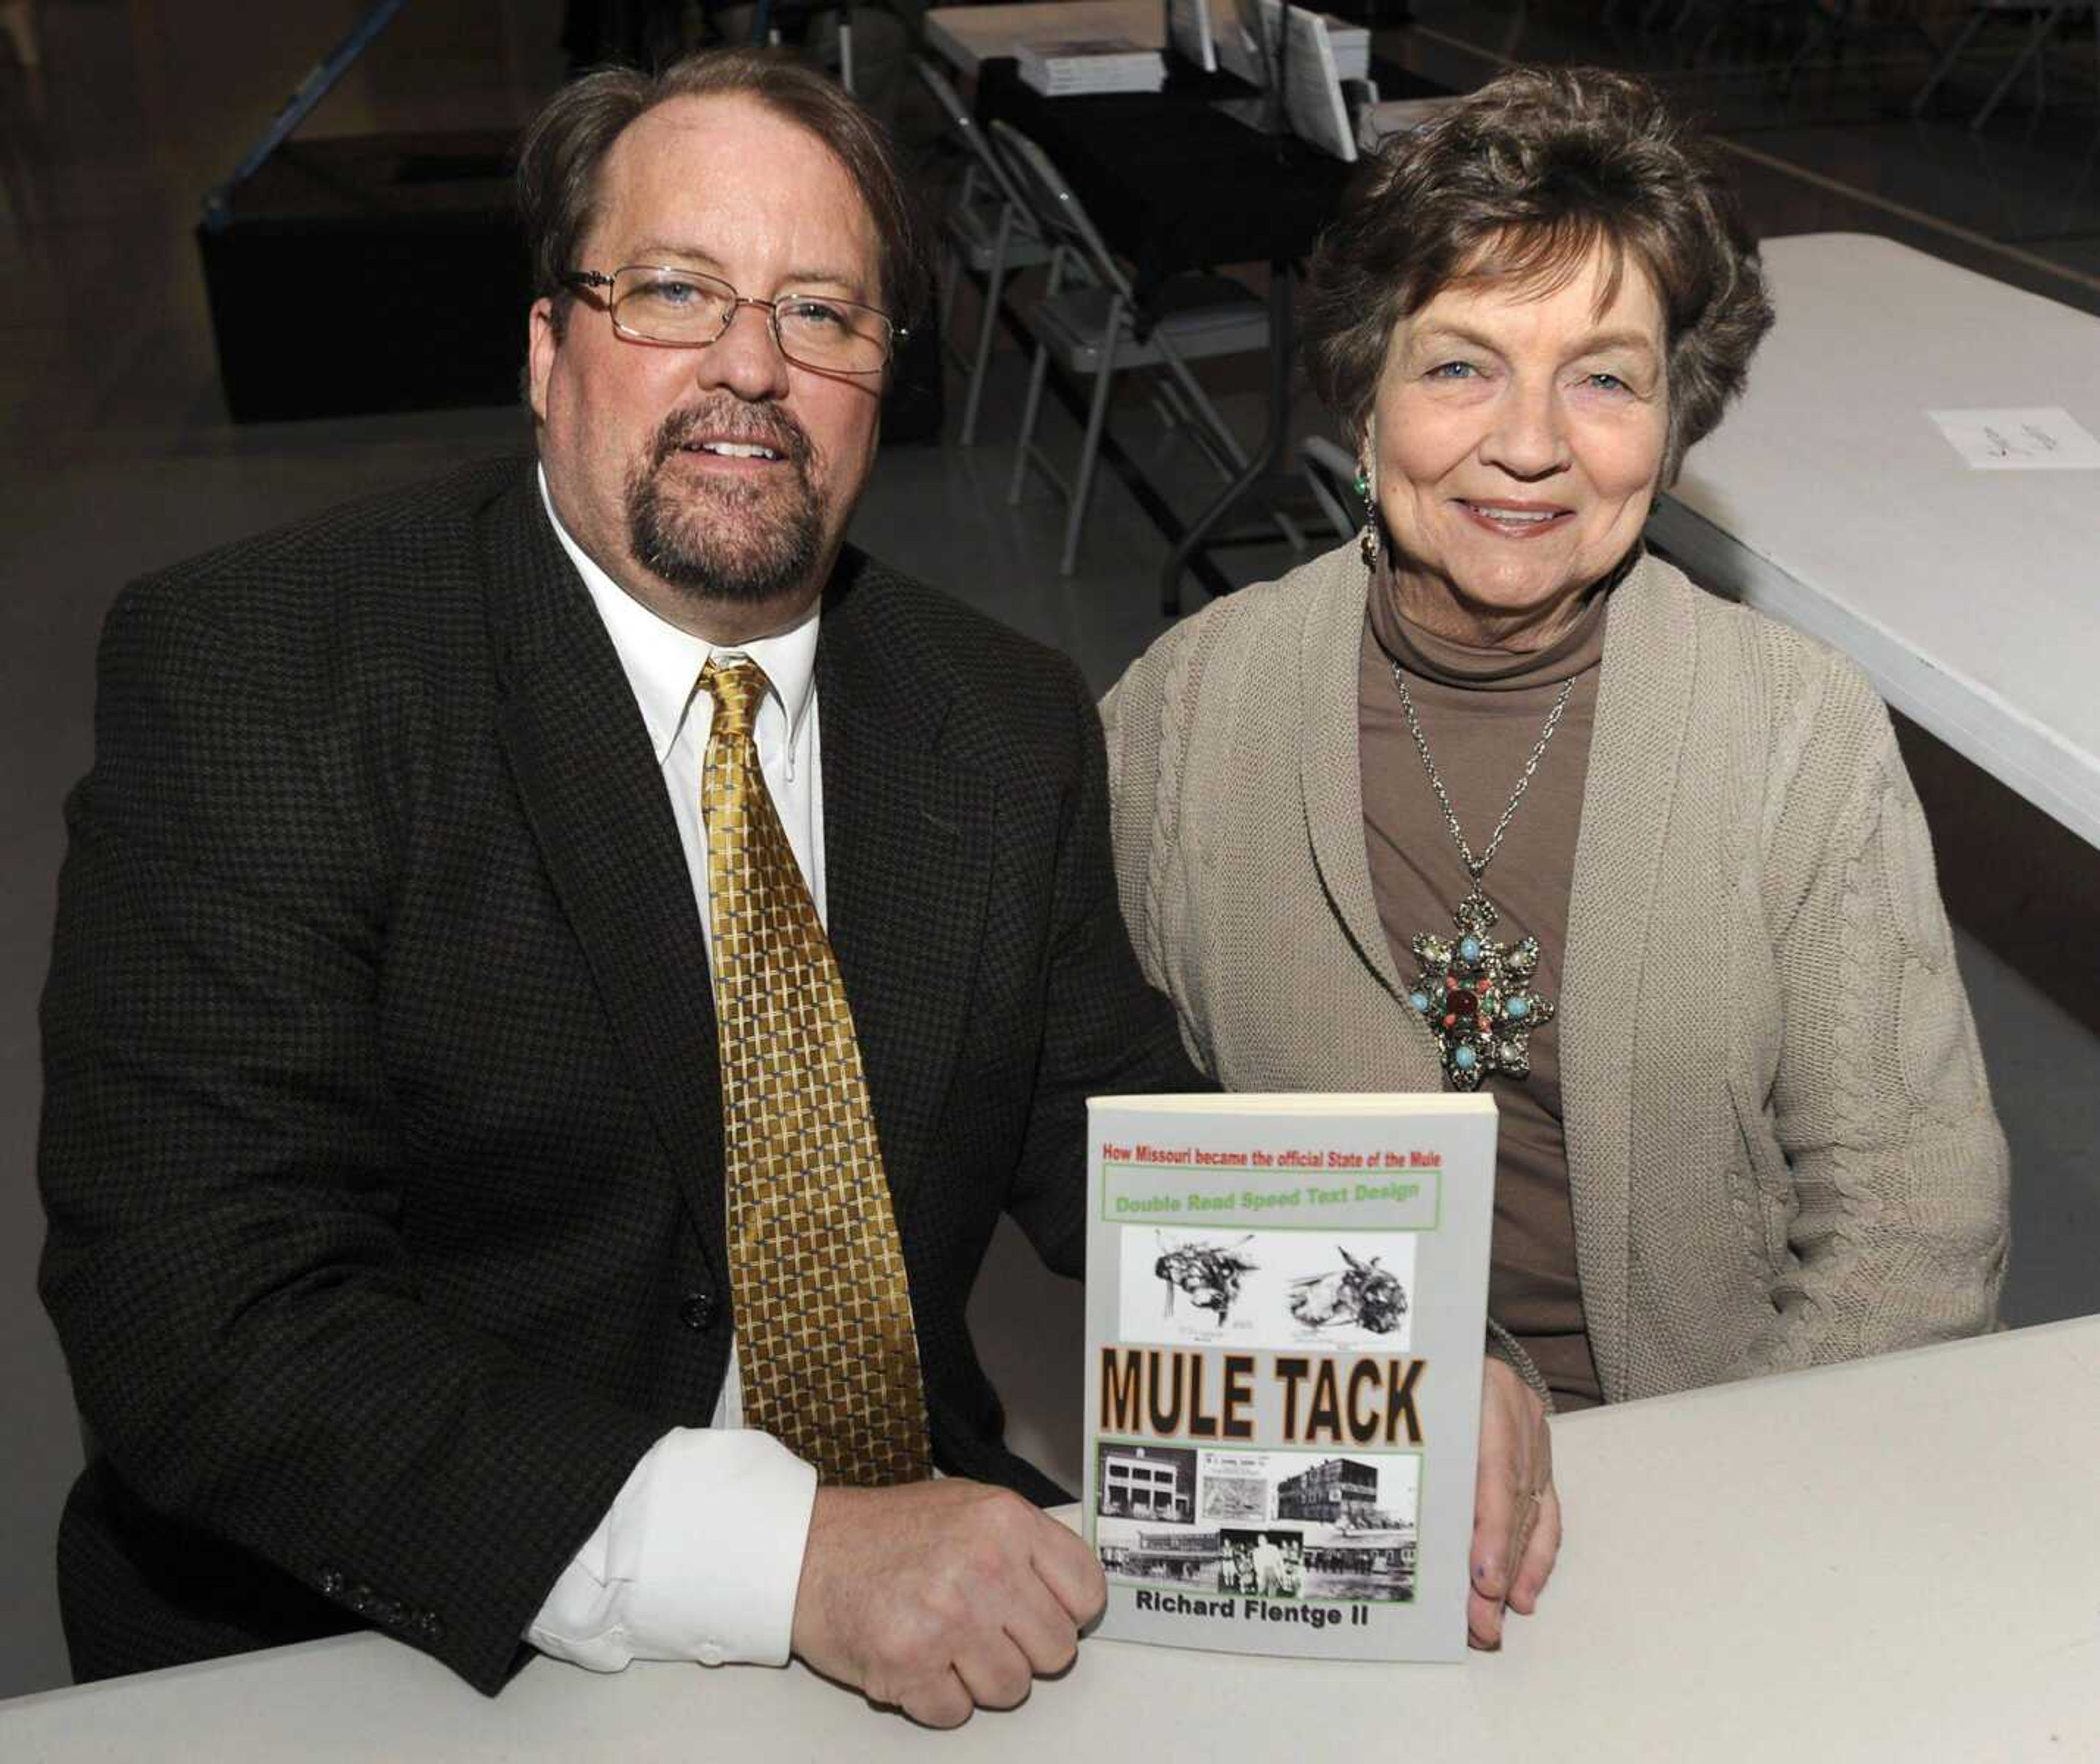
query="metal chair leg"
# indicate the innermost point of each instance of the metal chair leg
(1225, 443)
(1090, 449)
(1213, 418)
(1827, 22)
(1026, 446)
(2042, 26)
(1945, 65)
(987, 327)
(1033, 405)
(951, 260)
(1721, 21)
(950, 273)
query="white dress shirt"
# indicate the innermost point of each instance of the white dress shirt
(699, 1555)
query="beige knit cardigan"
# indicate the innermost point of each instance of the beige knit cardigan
(1781, 1144)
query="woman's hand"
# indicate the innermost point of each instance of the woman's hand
(1516, 1514)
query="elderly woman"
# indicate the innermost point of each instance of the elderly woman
(1494, 798)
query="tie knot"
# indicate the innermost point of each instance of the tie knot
(738, 690)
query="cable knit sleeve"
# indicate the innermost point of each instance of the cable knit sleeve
(1899, 1183)
(1150, 716)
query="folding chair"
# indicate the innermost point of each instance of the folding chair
(2047, 14)
(1088, 319)
(1331, 474)
(986, 231)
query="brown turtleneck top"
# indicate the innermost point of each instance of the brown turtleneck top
(1481, 711)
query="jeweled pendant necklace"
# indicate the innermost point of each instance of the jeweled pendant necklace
(1475, 994)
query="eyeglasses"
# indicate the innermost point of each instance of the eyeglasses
(655, 303)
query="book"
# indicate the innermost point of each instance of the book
(1080, 65)
(1246, 42)
(1312, 86)
(1287, 1307)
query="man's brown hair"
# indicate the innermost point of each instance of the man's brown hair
(563, 151)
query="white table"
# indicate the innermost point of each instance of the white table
(965, 36)
(1895, 1560)
(1828, 498)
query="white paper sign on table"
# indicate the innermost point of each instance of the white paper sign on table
(2033, 438)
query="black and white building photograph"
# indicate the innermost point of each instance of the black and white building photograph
(1334, 1491)
(1150, 1482)
(1178, 1556)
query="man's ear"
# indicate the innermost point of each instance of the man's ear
(543, 338)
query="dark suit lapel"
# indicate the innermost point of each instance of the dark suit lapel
(594, 799)
(907, 839)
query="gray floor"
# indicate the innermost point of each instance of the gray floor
(118, 456)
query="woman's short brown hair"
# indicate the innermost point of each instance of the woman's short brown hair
(560, 157)
(1519, 183)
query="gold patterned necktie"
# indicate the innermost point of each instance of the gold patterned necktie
(823, 1314)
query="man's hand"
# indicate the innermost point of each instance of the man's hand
(941, 1597)
(1516, 1514)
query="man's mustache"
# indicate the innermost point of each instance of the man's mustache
(753, 425)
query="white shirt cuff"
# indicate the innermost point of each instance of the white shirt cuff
(699, 1558)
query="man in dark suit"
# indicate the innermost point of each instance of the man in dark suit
(383, 1147)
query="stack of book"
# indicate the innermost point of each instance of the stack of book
(1091, 64)
(1241, 51)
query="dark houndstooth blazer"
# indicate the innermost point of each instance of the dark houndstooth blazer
(381, 1142)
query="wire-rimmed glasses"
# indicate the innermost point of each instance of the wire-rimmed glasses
(683, 309)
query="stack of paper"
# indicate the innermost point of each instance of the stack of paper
(1091, 64)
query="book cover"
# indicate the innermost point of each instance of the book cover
(1247, 38)
(1286, 1304)
(1312, 86)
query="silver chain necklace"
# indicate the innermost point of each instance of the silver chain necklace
(1474, 994)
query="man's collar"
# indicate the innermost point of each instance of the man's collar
(662, 663)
